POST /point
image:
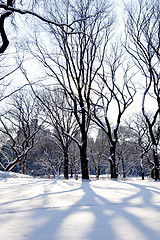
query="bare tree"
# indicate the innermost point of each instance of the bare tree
(47, 155)
(32, 8)
(114, 93)
(138, 125)
(74, 159)
(20, 125)
(74, 59)
(143, 42)
(61, 118)
(98, 151)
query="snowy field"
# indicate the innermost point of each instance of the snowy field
(40, 209)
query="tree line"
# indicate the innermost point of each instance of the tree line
(83, 71)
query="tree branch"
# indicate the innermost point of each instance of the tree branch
(5, 41)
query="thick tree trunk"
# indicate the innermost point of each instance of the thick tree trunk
(152, 173)
(83, 147)
(84, 161)
(113, 162)
(113, 169)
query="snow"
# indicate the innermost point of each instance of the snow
(57, 209)
(12, 175)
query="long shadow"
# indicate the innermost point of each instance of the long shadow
(104, 219)
(120, 211)
(25, 186)
(56, 224)
(39, 210)
(145, 195)
(145, 190)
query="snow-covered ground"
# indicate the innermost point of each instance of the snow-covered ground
(41, 209)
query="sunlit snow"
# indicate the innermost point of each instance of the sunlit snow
(52, 209)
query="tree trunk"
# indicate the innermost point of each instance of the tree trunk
(113, 170)
(83, 147)
(84, 161)
(25, 165)
(98, 167)
(113, 162)
(71, 171)
(142, 167)
(155, 154)
(156, 162)
(123, 168)
(152, 173)
(65, 165)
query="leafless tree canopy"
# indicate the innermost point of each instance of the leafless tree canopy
(83, 75)
(143, 33)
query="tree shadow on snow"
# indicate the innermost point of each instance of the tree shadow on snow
(94, 217)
